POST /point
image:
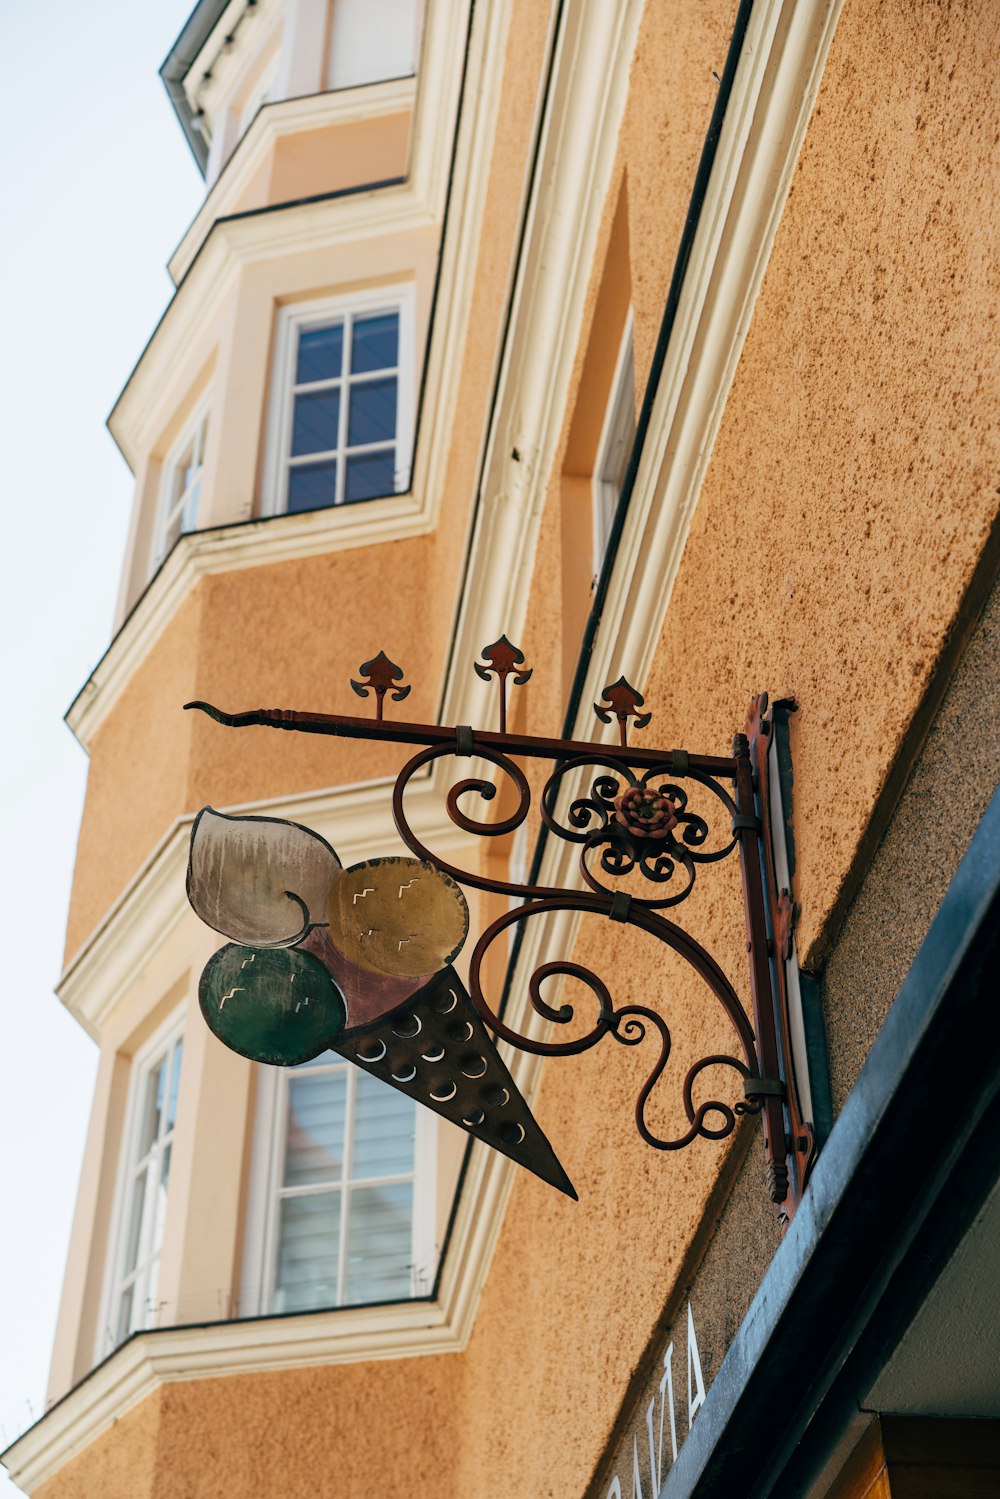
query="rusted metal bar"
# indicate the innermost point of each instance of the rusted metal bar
(747, 827)
(529, 745)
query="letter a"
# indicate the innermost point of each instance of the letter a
(696, 1397)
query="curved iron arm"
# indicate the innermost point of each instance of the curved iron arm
(634, 820)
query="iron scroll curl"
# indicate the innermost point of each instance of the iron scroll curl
(590, 822)
(628, 1023)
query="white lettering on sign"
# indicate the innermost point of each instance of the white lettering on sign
(636, 1475)
(697, 1400)
(655, 1430)
(666, 1404)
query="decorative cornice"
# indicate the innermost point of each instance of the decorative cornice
(575, 165)
(244, 239)
(224, 549)
(272, 123)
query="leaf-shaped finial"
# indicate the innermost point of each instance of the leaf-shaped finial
(504, 659)
(623, 700)
(381, 675)
(261, 881)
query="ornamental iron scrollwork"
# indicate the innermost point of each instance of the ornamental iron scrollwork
(627, 809)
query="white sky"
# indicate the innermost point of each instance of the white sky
(97, 186)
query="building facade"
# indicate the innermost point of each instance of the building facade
(661, 338)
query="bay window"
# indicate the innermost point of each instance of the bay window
(341, 416)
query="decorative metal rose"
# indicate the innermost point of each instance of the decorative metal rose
(645, 813)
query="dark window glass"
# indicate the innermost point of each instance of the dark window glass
(370, 475)
(316, 422)
(371, 415)
(321, 354)
(311, 485)
(375, 343)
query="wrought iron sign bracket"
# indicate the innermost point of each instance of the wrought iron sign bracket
(626, 809)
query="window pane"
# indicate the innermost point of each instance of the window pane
(316, 422)
(175, 1082)
(135, 1215)
(311, 485)
(370, 475)
(308, 1251)
(124, 1325)
(160, 1201)
(321, 353)
(375, 343)
(372, 412)
(379, 1243)
(314, 1144)
(385, 1122)
(152, 1103)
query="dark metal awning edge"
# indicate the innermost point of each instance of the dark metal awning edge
(862, 1235)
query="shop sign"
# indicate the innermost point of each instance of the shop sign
(649, 1461)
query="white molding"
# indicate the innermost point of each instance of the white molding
(460, 252)
(574, 172)
(243, 239)
(774, 92)
(232, 245)
(272, 123)
(228, 65)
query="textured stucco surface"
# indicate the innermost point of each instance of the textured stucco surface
(854, 479)
(946, 796)
(848, 499)
(936, 817)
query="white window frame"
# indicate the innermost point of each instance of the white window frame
(194, 431)
(159, 1046)
(618, 428)
(304, 315)
(260, 1239)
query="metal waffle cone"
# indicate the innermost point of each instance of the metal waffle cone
(437, 1050)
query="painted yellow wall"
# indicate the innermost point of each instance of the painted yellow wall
(340, 156)
(849, 498)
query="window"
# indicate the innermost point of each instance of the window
(181, 488)
(342, 428)
(615, 446)
(347, 1187)
(371, 40)
(152, 1115)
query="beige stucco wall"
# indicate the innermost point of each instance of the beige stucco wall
(848, 501)
(854, 480)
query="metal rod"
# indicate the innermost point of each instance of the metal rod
(760, 971)
(437, 734)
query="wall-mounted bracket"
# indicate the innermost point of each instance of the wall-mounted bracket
(630, 815)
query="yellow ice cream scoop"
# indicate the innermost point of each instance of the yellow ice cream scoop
(397, 916)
